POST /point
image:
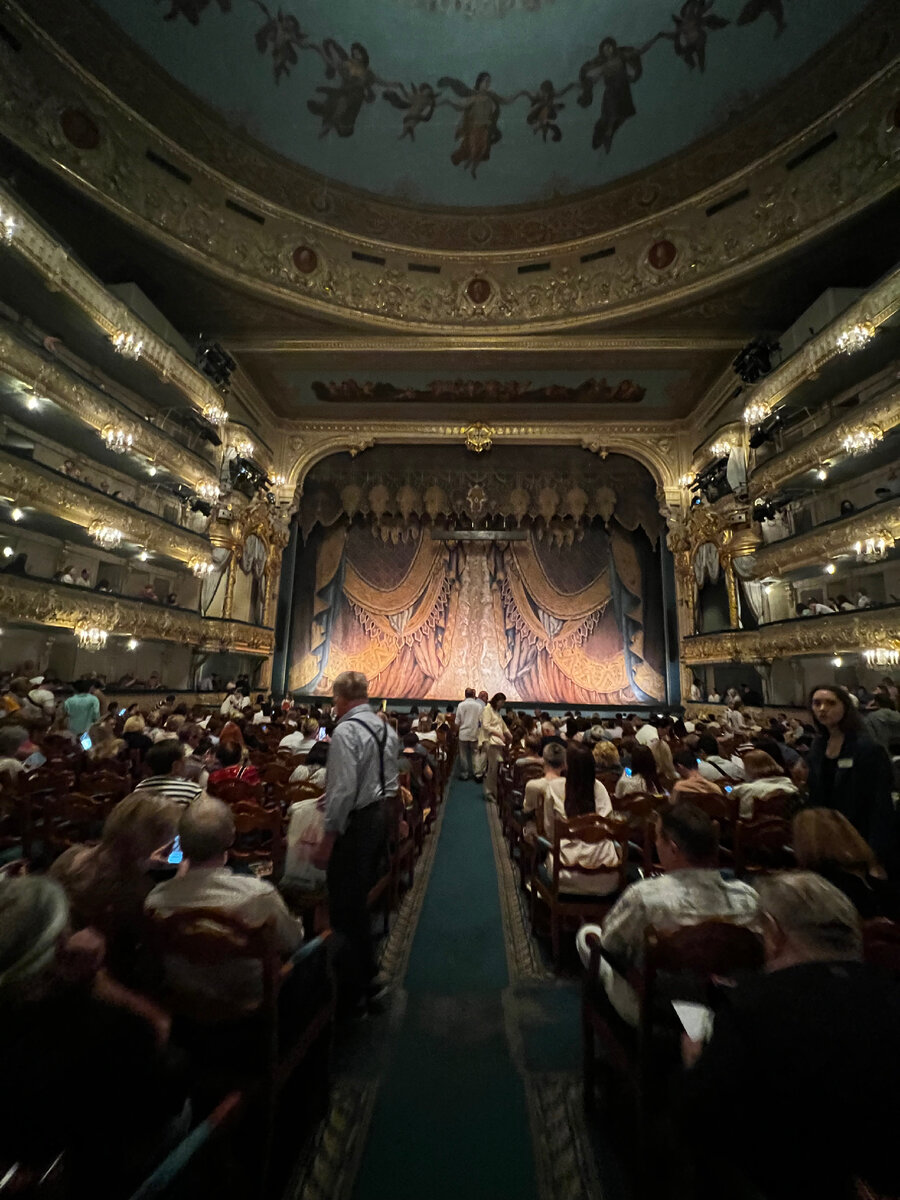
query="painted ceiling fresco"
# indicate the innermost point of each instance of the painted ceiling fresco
(480, 102)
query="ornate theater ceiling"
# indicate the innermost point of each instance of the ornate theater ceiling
(463, 210)
(487, 102)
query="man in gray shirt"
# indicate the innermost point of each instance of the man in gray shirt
(883, 722)
(468, 723)
(362, 771)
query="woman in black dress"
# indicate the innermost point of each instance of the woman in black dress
(851, 772)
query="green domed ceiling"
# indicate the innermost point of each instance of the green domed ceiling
(460, 103)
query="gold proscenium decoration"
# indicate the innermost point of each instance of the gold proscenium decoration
(479, 437)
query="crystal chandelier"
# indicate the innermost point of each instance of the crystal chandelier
(872, 549)
(7, 226)
(201, 567)
(118, 439)
(208, 492)
(756, 413)
(279, 480)
(106, 536)
(883, 656)
(720, 449)
(128, 344)
(215, 413)
(854, 337)
(243, 447)
(90, 637)
(862, 440)
(687, 479)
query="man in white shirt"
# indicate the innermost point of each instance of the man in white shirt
(691, 891)
(234, 704)
(713, 766)
(647, 734)
(42, 696)
(468, 722)
(302, 740)
(204, 881)
(11, 738)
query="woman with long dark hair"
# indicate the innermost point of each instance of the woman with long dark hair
(850, 771)
(584, 866)
(644, 775)
(494, 736)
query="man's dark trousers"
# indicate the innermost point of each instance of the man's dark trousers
(353, 868)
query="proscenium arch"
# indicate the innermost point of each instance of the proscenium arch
(651, 447)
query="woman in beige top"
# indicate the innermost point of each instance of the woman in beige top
(584, 867)
(494, 736)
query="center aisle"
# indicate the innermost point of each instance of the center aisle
(451, 1117)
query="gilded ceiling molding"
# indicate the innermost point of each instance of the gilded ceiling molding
(114, 319)
(32, 486)
(819, 546)
(825, 444)
(35, 602)
(95, 51)
(51, 379)
(659, 260)
(547, 343)
(654, 445)
(842, 633)
(872, 309)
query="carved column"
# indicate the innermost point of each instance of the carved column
(228, 603)
(734, 606)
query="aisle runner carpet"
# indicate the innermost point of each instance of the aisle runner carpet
(471, 1085)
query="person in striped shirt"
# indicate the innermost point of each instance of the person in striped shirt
(166, 762)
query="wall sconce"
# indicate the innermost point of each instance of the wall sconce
(215, 413)
(873, 549)
(208, 492)
(882, 656)
(756, 413)
(279, 480)
(201, 567)
(862, 440)
(128, 344)
(118, 439)
(17, 514)
(144, 555)
(133, 643)
(854, 337)
(687, 479)
(90, 637)
(7, 226)
(108, 537)
(720, 449)
(243, 447)
(830, 569)
(837, 661)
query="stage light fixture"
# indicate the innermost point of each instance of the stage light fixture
(830, 569)
(755, 360)
(215, 363)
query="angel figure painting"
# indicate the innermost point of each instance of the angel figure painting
(616, 68)
(417, 103)
(478, 129)
(691, 31)
(545, 109)
(341, 104)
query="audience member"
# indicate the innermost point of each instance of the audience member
(801, 1060)
(494, 736)
(166, 763)
(82, 709)
(314, 769)
(690, 781)
(713, 765)
(764, 778)
(229, 765)
(641, 776)
(584, 867)
(92, 1079)
(12, 738)
(883, 722)
(824, 841)
(468, 718)
(851, 772)
(207, 832)
(691, 890)
(134, 736)
(606, 758)
(303, 739)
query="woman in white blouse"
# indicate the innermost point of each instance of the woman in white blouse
(584, 866)
(494, 735)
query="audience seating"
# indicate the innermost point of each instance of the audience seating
(259, 839)
(571, 908)
(762, 844)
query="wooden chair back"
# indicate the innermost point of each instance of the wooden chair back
(70, 820)
(717, 805)
(708, 948)
(233, 791)
(763, 844)
(881, 944)
(259, 838)
(210, 938)
(107, 784)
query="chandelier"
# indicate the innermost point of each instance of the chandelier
(279, 480)
(7, 226)
(243, 447)
(128, 344)
(687, 479)
(862, 440)
(755, 413)
(720, 449)
(90, 637)
(118, 439)
(883, 656)
(872, 549)
(208, 492)
(201, 567)
(106, 536)
(215, 413)
(854, 337)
